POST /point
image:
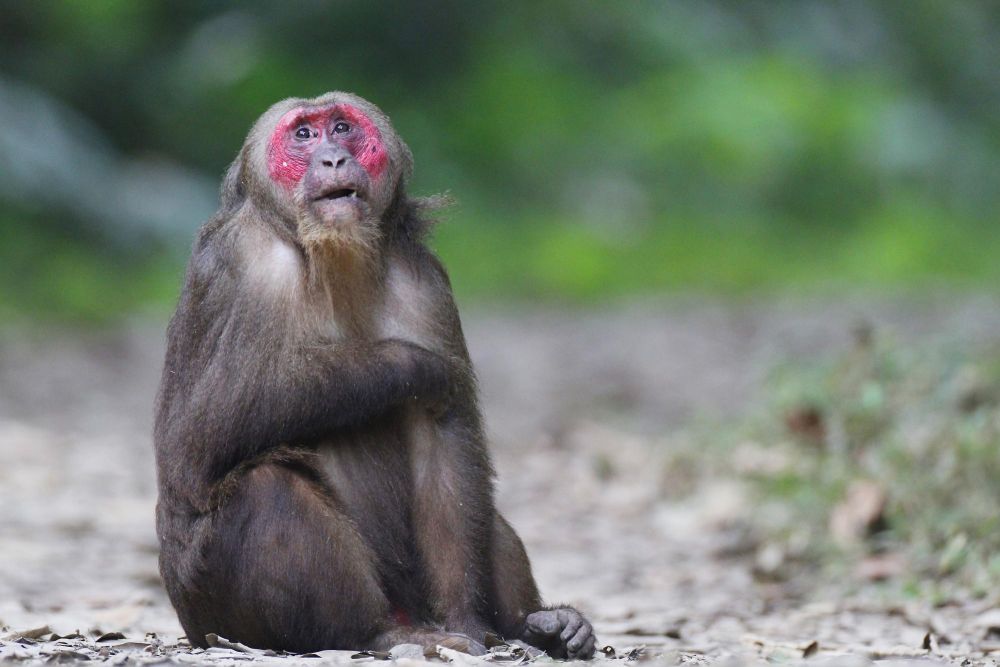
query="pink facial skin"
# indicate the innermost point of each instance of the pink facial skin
(288, 158)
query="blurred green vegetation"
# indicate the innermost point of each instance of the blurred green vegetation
(596, 149)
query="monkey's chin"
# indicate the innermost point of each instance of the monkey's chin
(340, 211)
(340, 227)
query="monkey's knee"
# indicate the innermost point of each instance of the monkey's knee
(287, 569)
(289, 520)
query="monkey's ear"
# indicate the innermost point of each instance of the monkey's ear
(233, 192)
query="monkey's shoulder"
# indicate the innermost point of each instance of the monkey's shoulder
(251, 258)
(414, 260)
(216, 251)
(418, 305)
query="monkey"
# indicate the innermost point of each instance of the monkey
(323, 476)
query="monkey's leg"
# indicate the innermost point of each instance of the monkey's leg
(283, 568)
(452, 523)
(280, 567)
(562, 632)
(515, 594)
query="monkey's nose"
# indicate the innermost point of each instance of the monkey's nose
(332, 157)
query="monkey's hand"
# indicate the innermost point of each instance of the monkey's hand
(430, 373)
(562, 633)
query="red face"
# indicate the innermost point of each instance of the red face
(301, 131)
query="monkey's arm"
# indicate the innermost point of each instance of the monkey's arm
(240, 379)
(299, 396)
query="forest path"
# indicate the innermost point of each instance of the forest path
(581, 408)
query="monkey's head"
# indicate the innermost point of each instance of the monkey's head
(330, 167)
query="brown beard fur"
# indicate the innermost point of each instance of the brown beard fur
(361, 235)
(346, 273)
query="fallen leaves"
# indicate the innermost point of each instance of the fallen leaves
(859, 514)
(34, 633)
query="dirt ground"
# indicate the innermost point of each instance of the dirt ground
(582, 408)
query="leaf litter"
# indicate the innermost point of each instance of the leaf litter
(618, 518)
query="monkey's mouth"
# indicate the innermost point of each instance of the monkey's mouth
(340, 202)
(339, 193)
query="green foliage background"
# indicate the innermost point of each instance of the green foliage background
(595, 149)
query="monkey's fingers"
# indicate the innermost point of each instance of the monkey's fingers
(542, 631)
(572, 622)
(542, 625)
(587, 651)
(576, 647)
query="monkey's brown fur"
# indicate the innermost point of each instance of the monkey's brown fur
(323, 477)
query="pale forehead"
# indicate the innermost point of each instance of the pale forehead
(321, 104)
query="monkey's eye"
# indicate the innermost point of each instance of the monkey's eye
(303, 133)
(341, 127)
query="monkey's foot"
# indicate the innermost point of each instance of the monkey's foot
(529, 650)
(562, 633)
(460, 642)
(429, 640)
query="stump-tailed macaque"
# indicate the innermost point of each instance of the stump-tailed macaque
(323, 477)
